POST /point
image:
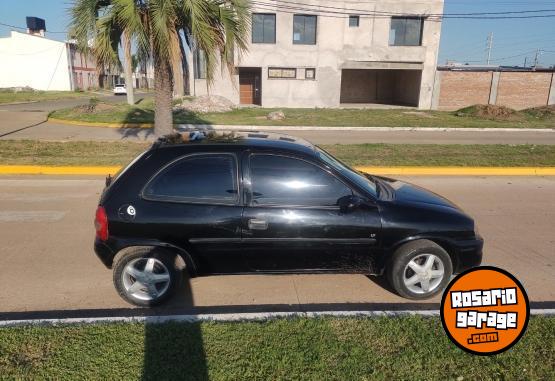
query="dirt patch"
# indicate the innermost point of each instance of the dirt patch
(544, 112)
(491, 112)
(205, 104)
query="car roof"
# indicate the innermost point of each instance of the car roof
(255, 139)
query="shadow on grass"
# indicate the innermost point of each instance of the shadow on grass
(175, 351)
(139, 115)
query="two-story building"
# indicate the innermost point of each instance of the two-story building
(311, 53)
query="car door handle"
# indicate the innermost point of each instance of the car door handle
(256, 224)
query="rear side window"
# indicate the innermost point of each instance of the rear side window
(281, 180)
(197, 178)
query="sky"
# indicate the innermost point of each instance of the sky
(461, 40)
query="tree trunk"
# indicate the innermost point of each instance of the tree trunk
(128, 69)
(177, 67)
(163, 118)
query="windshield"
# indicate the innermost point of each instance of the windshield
(359, 179)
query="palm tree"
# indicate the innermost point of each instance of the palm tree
(218, 27)
(85, 15)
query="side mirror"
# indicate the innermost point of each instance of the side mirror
(348, 204)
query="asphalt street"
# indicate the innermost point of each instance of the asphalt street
(47, 261)
(27, 121)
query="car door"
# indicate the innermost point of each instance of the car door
(292, 221)
(195, 202)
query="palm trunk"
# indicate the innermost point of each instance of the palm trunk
(177, 67)
(163, 118)
(128, 69)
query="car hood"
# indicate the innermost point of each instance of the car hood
(403, 192)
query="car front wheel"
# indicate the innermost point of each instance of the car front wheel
(145, 276)
(419, 269)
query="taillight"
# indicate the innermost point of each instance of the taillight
(101, 223)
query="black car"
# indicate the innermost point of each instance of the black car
(267, 203)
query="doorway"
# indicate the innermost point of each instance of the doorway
(250, 86)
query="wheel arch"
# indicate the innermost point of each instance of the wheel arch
(443, 242)
(184, 260)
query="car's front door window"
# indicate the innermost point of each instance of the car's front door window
(285, 181)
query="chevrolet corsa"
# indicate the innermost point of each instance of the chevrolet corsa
(267, 203)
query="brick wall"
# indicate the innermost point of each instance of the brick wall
(460, 89)
(523, 90)
(518, 90)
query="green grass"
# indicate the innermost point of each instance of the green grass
(32, 152)
(31, 96)
(144, 113)
(284, 349)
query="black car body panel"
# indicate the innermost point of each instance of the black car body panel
(244, 233)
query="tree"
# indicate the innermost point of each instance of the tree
(218, 27)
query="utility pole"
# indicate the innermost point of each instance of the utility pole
(490, 46)
(537, 58)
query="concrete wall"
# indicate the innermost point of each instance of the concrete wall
(518, 90)
(336, 45)
(33, 61)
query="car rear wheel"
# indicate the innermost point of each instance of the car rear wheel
(146, 276)
(419, 270)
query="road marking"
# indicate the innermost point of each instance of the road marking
(55, 170)
(31, 216)
(255, 316)
(419, 171)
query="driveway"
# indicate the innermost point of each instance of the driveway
(47, 261)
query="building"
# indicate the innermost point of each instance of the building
(30, 59)
(333, 53)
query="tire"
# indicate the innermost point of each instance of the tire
(414, 270)
(146, 276)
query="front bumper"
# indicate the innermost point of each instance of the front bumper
(468, 253)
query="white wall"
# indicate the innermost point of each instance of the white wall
(33, 61)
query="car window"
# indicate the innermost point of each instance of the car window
(358, 178)
(280, 180)
(197, 178)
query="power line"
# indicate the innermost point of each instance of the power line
(23, 28)
(383, 14)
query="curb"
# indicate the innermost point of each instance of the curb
(99, 124)
(252, 316)
(391, 171)
(296, 128)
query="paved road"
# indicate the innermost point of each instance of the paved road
(52, 131)
(26, 120)
(47, 262)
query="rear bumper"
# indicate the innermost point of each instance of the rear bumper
(468, 253)
(104, 253)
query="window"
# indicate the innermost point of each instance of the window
(263, 28)
(354, 21)
(304, 29)
(310, 73)
(406, 31)
(280, 180)
(282, 72)
(197, 178)
(200, 64)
